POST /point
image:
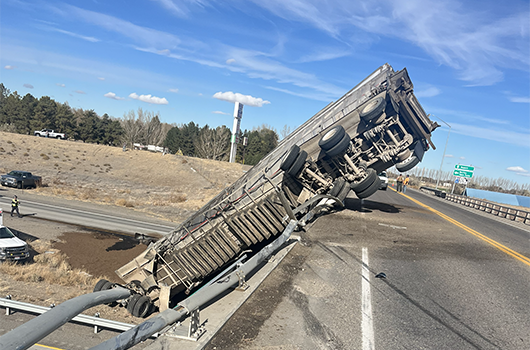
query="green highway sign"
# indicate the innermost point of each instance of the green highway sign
(463, 173)
(464, 167)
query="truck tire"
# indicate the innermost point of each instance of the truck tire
(371, 176)
(58, 137)
(38, 135)
(142, 307)
(370, 190)
(132, 303)
(372, 109)
(332, 138)
(338, 185)
(20, 185)
(340, 147)
(99, 285)
(291, 157)
(407, 164)
(297, 164)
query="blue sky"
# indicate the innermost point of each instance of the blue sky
(287, 59)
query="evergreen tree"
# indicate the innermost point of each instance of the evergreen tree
(45, 114)
(172, 141)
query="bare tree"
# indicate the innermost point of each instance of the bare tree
(144, 127)
(286, 130)
(213, 143)
(132, 128)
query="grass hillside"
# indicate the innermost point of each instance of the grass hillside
(169, 186)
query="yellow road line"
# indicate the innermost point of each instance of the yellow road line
(48, 347)
(486, 239)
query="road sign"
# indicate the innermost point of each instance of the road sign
(463, 173)
(456, 180)
(464, 167)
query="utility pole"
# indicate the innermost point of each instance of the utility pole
(443, 157)
(238, 114)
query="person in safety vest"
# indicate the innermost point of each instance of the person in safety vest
(14, 206)
(405, 183)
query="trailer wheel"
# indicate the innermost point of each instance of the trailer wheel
(338, 185)
(407, 164)
(371, 176)
(298, 163)
(132, 303)
(142, 307)
(340, 147)
(372, 109)
(99, 285)
(370, 190)
(291, 157)
(332, 138)
(404, 154)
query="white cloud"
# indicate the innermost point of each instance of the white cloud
(325, 54)
(61, 85)
(493, 134)
(449, 156)
(468, 116)
(428, 92)
(174, 90)
(29, 86)
(180, 8)
(475, 42)
(75, 35)
(147, 36)
(101, 78)
(520, 99)
(80, 92)
(517, 169)
(230, 61)
(10, 67)
(219, 112)
(113, 96)
(246, 100)
(149, 99)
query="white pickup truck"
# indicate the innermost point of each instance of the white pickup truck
(49, 133)
(12, 248)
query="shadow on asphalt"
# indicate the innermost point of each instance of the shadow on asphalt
(367, 206)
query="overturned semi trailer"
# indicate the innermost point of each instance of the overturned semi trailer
(342, 148)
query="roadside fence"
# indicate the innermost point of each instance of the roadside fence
(488, 207)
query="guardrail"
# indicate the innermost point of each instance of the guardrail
(488, 207)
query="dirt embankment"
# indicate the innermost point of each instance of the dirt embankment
(167, 186)
(68, 260)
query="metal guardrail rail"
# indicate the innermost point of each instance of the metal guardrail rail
(492, 208)
(95, 321)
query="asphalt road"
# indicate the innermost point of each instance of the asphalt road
(84, 214)
(445, 288)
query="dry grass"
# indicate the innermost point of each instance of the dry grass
(50, 266)
(122, 202)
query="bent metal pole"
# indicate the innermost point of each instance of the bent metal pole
(24, 336)
(155, 324)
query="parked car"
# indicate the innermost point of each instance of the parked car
(20, 179)
(384, 181)
(50, 133)
(11, 247)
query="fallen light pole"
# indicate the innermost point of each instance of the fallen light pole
(24, 336)
(155, 324)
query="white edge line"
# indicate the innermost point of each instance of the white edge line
(367, 326)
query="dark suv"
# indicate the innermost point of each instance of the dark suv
(20, 179)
